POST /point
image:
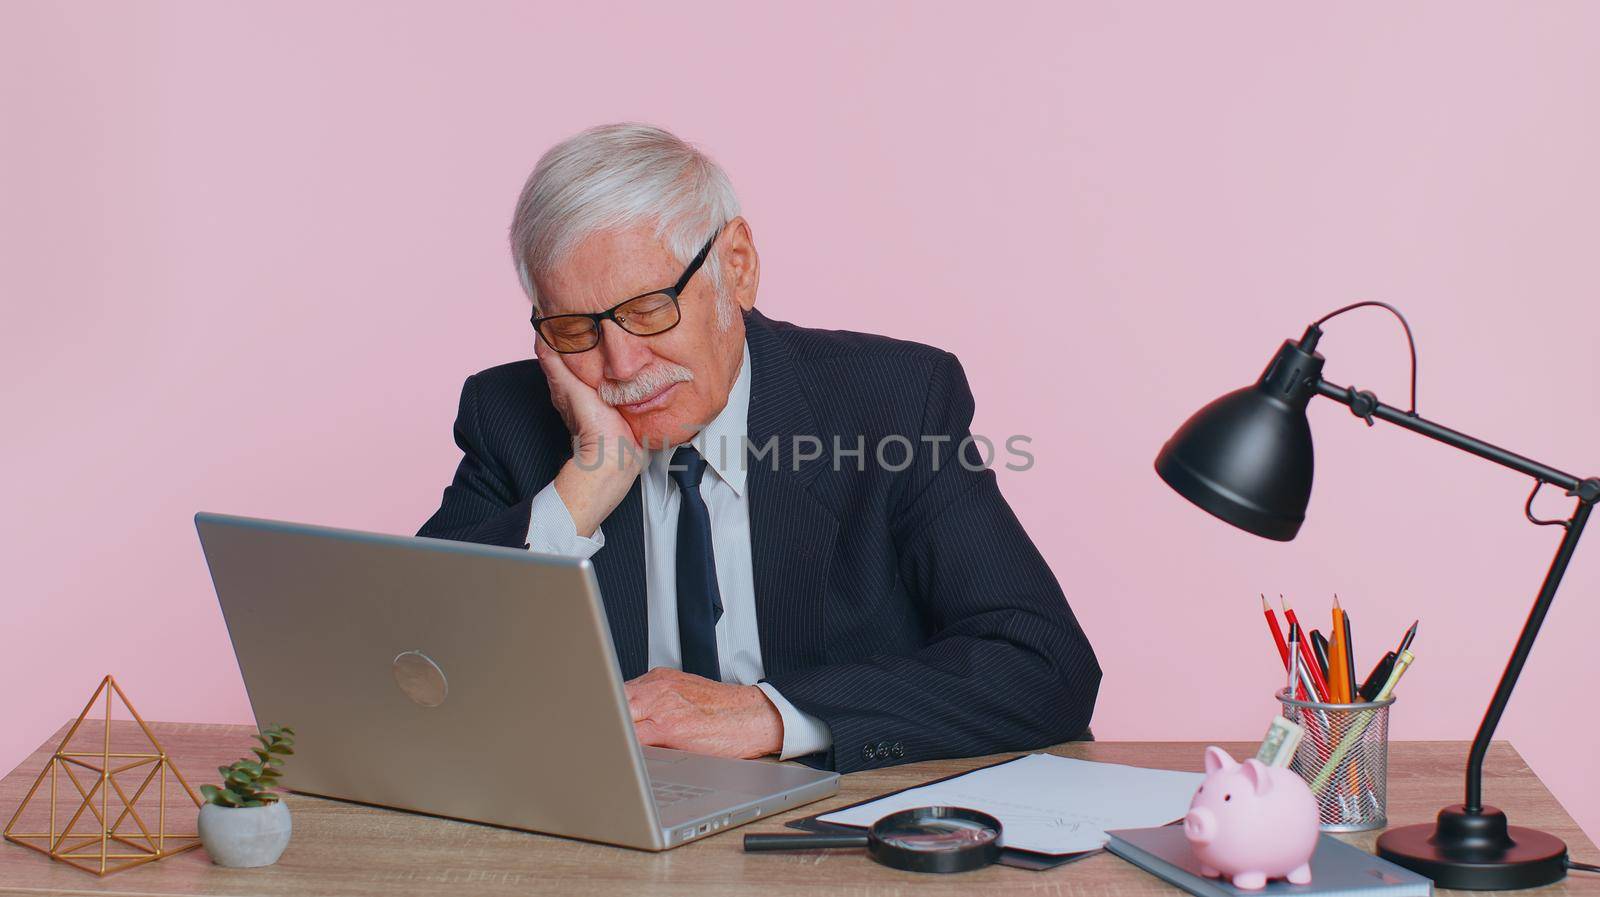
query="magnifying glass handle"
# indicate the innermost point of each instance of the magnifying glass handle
(817, 841)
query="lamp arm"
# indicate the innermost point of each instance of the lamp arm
(1366, 406)
(1587, 491)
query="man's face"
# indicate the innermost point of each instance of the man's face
(670, 385)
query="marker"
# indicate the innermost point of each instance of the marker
(1379, 675)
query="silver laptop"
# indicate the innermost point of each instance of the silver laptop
(466, 681)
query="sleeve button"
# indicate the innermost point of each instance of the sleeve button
(883, 750)
(899, 750)
(866, 751)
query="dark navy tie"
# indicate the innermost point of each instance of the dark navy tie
(699, 601)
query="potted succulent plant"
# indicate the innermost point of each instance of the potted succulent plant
(243, 823)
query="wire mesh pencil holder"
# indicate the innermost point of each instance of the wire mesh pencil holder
(1344, 758)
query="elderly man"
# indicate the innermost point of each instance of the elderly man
(799, 549)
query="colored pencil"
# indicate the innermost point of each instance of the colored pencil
(1283, 647)
(1277, 633)
(1318, 681)
(1338, 679)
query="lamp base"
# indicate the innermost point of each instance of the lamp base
(1476, 851)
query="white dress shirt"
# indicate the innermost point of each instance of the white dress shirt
(721, 444)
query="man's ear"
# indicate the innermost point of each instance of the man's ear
(741, 266)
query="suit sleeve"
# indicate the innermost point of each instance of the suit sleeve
(1005, 665)
(480, 504)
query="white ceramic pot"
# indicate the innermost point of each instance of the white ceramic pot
(244, 836)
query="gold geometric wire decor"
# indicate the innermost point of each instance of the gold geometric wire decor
(107, 847)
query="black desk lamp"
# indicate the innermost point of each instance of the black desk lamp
(1247, 459)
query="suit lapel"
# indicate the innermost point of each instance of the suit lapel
(619, 566)
(792, 533)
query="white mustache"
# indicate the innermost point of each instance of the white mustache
(645, 384)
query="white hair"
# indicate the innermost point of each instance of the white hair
(614, 177)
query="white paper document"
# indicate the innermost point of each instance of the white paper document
(1050, 804)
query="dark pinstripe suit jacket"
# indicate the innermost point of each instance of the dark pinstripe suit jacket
(906, 609)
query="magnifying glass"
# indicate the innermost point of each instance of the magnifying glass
(926, 839)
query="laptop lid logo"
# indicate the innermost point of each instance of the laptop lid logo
(420, 679)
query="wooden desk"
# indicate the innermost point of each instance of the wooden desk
(346, 849)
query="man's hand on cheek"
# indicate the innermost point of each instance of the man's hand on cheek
(599, 429)
(606, 458)
(673, 709)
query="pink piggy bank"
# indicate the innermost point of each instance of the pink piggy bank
(1252, 822)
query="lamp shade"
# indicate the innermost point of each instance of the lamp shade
(1247, 457)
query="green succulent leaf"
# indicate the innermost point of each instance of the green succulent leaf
(210, 792)
(229, 798)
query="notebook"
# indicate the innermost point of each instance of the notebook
(1337, 869)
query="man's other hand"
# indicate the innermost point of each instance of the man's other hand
(673, 709)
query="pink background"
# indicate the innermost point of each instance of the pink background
(248, 254)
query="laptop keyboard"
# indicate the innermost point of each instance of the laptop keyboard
(667, 794)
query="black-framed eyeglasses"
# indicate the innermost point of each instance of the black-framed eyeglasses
(646, 314)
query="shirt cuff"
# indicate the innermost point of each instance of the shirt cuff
(551, 530)
(802, 733)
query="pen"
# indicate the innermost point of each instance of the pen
(1401, 664)
(1319, 646)
(1349, 659)
(1405, 642)
(1379, 675)
(1294, 656)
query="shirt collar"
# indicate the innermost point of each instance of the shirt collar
(721, 442)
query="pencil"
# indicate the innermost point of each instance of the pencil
(1277, 633)
(1338, 679)
(1319, 682)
